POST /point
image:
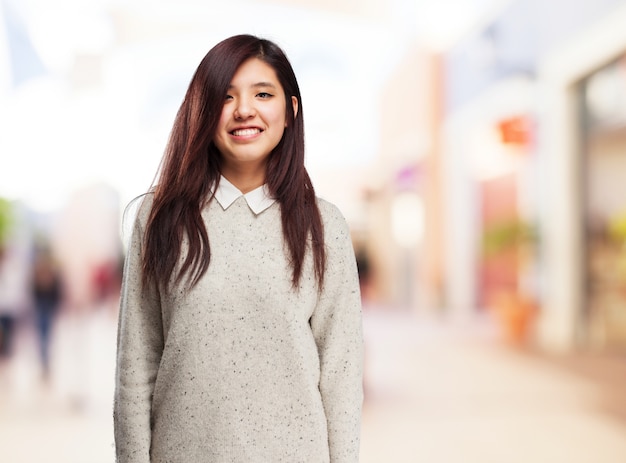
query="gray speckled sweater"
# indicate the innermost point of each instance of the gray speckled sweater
(242, 368)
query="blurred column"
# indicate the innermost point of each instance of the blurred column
(433, 264)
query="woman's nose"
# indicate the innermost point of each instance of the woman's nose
(244, 109)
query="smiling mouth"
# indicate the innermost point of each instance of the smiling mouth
(245, 132)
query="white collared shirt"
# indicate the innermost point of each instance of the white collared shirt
(258, 199)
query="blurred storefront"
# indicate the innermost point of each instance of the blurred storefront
(603, 142)
(534, 202)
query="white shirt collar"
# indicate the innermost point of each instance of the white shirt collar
(258, 199)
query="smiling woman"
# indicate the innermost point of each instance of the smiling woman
(250, 348)
(252, 123)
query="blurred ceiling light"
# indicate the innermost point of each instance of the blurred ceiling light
(59, 36)
(443, 23)
(358, 8)
(5, 62)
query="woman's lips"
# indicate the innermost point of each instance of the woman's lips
(246, 132)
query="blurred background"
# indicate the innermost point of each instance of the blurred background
(476, 147)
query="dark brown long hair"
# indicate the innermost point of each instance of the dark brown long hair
(191, 164)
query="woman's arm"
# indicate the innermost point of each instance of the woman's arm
(139, 349)
(337, 328)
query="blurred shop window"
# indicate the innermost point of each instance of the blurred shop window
(603, 99)
(407, 232)
(407, 219)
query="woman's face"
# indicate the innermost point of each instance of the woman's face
(253, 119)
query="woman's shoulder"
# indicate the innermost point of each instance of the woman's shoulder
(138, 208)
(331, 214)
(327, 208)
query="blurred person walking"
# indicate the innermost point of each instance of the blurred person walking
(240, 328)
(47, 297)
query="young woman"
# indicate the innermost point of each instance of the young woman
(240, 336)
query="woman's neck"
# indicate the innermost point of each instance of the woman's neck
(245, 182)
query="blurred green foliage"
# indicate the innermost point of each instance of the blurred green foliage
(617, 228)
(507, 235)
(6, 219)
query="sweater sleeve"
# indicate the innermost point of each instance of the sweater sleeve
(337, 327)
(139, 350)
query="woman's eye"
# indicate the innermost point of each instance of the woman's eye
(228, 97)
(264, 95)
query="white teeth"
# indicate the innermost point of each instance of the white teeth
(245, 132)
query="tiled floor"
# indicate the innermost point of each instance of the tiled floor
(433, 394)
(458, 395)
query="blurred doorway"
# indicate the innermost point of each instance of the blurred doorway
(498, 267)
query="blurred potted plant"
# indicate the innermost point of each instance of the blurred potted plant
(513, 306)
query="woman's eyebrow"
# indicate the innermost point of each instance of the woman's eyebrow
(264, 84)
(257, 85)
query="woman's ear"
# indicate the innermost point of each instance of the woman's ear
(294, 102)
